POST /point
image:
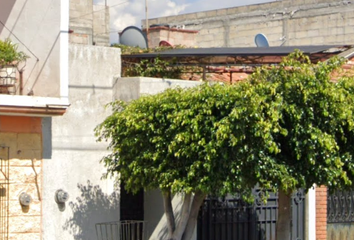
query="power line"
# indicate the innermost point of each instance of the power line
(19, 40)
(115, 5)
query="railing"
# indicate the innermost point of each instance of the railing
(8, 80)
(4, 192)
(233, 219)
(121, 230)
(340, 207)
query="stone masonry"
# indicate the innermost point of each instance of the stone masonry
(21, 145)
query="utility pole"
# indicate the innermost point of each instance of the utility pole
(146, 20)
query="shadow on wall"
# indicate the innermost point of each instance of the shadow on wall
(93, 206)
(5, 11)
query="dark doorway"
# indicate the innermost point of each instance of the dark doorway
(131, 205)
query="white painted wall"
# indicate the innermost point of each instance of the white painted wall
(71, 153)
(38, 27)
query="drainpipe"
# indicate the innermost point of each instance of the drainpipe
(21, 82)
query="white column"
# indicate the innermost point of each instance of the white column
(310, 211)
(64, 50)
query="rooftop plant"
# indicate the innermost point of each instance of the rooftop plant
(9, 53)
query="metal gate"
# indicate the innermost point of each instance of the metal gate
(340, 215)
(233, 219)
(4, 192)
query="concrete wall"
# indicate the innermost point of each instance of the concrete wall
(131, 88)
(174, 36)
(89, 23)
(287, 22)
(101, 25)
(35, 26)
(71, 153)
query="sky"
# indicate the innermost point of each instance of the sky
(124, 13)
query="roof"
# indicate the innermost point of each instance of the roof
(242, 56)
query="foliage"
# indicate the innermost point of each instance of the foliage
(9, 53)
(134, 50)
(169, 140)
(287, 127)
(154, 68)
(311, 142)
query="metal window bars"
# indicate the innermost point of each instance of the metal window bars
(4, 192)
(8, 79)
(121, 230)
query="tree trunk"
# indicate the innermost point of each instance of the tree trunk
(171, 225)
(283, 229)
(189, 215)
(192, 221)
(185, 213)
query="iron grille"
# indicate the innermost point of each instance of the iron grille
(121, 230)
(340, 207)
(4, 193)
(233, 219)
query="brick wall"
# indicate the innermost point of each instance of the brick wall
(321, 213)
(21, 143)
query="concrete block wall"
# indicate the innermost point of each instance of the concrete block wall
(81, 21)
(173, 35)
(302, 22)
(101, 25)
(89, 23)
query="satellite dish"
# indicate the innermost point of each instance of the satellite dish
(261, 40)
(133, 36)
(165, 43)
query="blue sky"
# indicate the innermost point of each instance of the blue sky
(125, 13)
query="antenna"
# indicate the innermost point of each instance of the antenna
(261, 40)
(133, 36)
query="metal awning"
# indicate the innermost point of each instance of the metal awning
(240, 56)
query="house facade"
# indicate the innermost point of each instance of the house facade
(48, 150)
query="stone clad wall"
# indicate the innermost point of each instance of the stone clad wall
(21, 145)
(302, 22)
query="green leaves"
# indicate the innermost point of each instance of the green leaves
(286, 127)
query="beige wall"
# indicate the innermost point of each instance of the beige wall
(301, 22)
(21, 147)
(172, 35)
(35, 26)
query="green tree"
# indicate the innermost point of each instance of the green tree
(313, 138)
(287, 127)
(170, 141)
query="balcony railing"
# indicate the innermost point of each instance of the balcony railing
(9, 83)
(121, 230)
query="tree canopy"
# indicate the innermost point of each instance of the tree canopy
(286, 127)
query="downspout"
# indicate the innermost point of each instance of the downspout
(21, 81)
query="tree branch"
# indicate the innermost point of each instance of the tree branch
(193, 215)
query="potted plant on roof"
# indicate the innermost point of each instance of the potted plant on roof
(10, 57)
